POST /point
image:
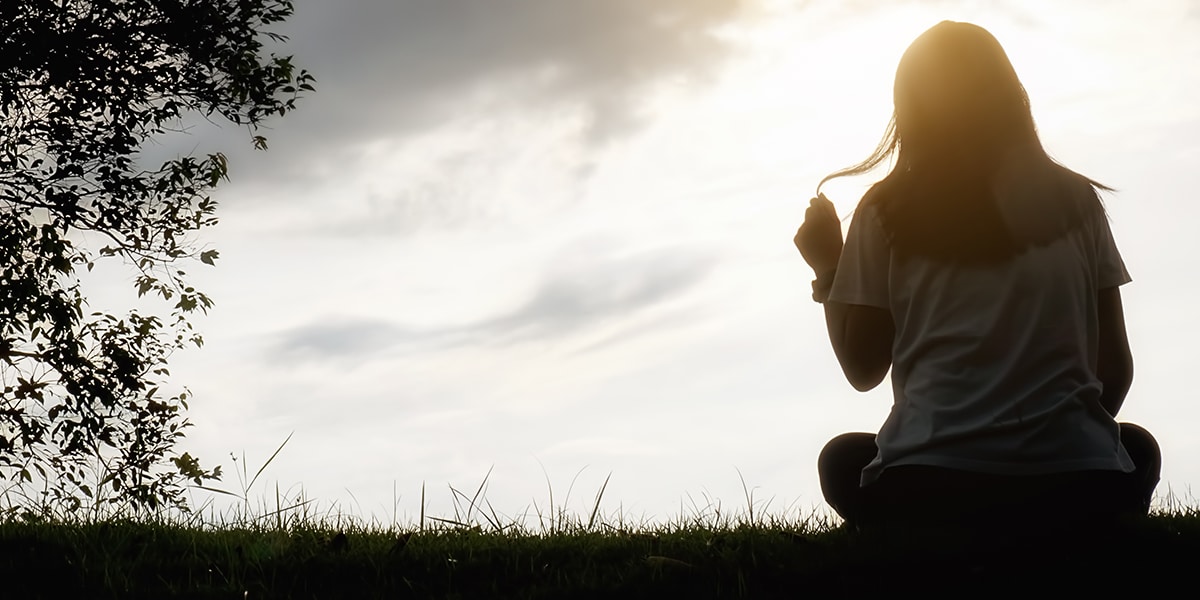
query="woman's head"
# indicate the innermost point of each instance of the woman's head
(955, 90)
(960, 115)
(957, 95)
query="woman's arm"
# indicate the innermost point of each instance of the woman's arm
(1114, 366)
(861, 335)
(862, 341)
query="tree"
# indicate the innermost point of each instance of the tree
(83, 85)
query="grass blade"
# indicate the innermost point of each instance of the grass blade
(264, 466)
(596, 505)
(479, 491)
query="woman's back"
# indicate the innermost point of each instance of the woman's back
(993, 365)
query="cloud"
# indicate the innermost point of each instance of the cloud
(570, 299)
(340, 337)
(407, 64)
(486, 175)
(610, 290)
(390, 69)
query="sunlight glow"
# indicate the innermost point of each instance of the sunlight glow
(815, 95)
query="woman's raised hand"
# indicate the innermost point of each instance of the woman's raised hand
(819, 238)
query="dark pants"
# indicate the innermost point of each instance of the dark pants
(922, 494)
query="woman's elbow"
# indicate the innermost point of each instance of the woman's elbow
(863, 385)
(1116, 369)
(862, 341)
(865, 378)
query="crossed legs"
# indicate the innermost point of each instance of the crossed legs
(923, 493)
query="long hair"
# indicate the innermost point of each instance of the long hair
(971, 181)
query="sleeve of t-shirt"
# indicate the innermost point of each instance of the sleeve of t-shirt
(1110, 267)
(862, 275)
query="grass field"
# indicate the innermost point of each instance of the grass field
(290, 550)
(286, 555)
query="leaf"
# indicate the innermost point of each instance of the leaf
(90, 84)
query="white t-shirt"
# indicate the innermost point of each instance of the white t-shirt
(993, 368)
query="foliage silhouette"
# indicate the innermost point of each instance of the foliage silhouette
(83, 85)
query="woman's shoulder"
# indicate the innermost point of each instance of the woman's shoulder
(872, 200)
(1042, 201)
(867, 213)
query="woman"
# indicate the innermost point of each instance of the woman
(985, 276)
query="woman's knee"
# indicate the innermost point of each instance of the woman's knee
(848, 448)
(1133, 431)
(1140, 445)
(1147, 460)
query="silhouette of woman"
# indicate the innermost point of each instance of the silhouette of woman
(985, 276)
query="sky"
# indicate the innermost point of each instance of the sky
(534, 245)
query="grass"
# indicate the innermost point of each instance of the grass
(290, 550)
(736, 559)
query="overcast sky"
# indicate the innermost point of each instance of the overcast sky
(553, 238)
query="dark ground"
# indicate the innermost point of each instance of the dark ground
(130, 560)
